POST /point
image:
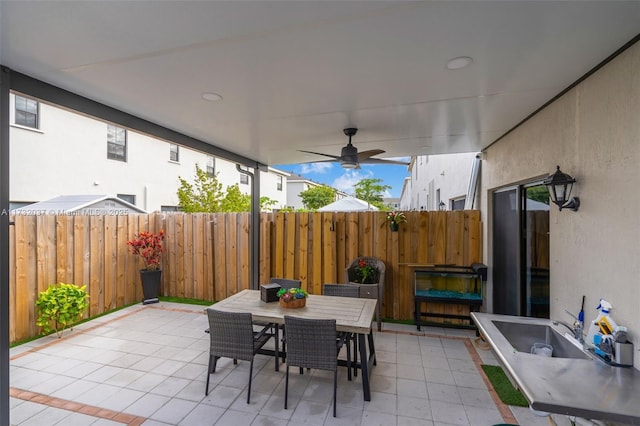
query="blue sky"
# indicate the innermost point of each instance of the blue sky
(334, 175)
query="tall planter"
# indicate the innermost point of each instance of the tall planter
(150, 279)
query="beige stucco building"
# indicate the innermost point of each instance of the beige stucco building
(593, 133)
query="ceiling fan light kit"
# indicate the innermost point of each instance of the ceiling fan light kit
(350, 158)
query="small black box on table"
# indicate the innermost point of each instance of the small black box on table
(269, 292)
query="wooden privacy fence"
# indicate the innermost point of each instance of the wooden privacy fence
(207, 256)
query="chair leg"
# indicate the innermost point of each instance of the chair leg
(277, 345)
(286, 387)
(335, 390)
(206, 390)
(250, 377)
(355, 354)
(346, 343)
(211, 368)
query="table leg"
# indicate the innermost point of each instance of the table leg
(366, 362)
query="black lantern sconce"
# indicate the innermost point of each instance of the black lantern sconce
(442, 206)
(559, 186)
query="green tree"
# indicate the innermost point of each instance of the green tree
(235, 201)
(372, 191)
(204, 195)
(266, 203)
(318, 196)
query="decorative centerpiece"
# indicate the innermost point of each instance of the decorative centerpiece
(148, 246)
(366, 273)
(395, 219)
(292, 297)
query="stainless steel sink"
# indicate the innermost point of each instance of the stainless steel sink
(523, 336)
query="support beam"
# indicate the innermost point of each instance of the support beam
(5, 84)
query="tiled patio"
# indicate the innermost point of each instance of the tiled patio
(146, 365)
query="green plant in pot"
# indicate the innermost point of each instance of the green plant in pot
(148, 246)
(61, 306)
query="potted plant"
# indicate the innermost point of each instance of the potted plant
(60, 306)
(365, 272)
(292, 297)
(149, 247)
(395, 219)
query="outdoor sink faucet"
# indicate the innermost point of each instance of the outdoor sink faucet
(575, 328)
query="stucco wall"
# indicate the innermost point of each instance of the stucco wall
(448, 173)
(67, 155)
(593, 134)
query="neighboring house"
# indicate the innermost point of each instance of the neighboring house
(297, 184)
(438, 182)
(82, 205)
(393, 202)
(348, 204)
(93, 157)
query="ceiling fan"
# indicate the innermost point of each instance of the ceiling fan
(350, 158)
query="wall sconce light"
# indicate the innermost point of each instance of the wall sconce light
(559, 186)
(442, 205)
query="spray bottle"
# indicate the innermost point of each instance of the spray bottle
(603, 324)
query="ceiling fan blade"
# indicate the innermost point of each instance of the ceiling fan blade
(382, 161)
(335, 157)
(370, 153)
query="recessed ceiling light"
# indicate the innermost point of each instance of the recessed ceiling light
(211, 97)
(459, 62)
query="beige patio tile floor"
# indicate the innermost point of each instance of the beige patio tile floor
(146, 365)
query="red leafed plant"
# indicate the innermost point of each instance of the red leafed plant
(366, 273)
(149, 246)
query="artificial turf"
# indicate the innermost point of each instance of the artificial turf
(503, 387)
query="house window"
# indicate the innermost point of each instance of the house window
(129, 198)
(116, 143)
(211, 166)
(279, 183)
(170, 209)
(27, 112)
(458, 204)
(174, 152)
(244, 179)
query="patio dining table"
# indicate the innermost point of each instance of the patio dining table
(352, 315)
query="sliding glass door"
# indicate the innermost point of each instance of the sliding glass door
(521, 251)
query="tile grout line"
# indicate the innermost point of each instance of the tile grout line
(503, 409)
(76, 407)
(86, 330)
(79, 332)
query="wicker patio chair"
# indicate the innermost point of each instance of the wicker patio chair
(232, 336)
(286, 283)
(351, 276)
(312, 344)
(350, 339)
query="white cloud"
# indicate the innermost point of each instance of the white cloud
(349, 178)
(315, 168)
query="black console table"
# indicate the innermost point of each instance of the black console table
(448, 284)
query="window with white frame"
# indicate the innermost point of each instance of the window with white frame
(174, 152)
(116, 143)
(211, 166)
(279, 183)
(27, 112)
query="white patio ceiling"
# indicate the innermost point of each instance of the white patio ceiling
(293, 74)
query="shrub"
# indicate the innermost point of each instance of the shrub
(60, 306)
(149, 247)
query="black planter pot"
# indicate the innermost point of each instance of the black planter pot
(150, 285)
